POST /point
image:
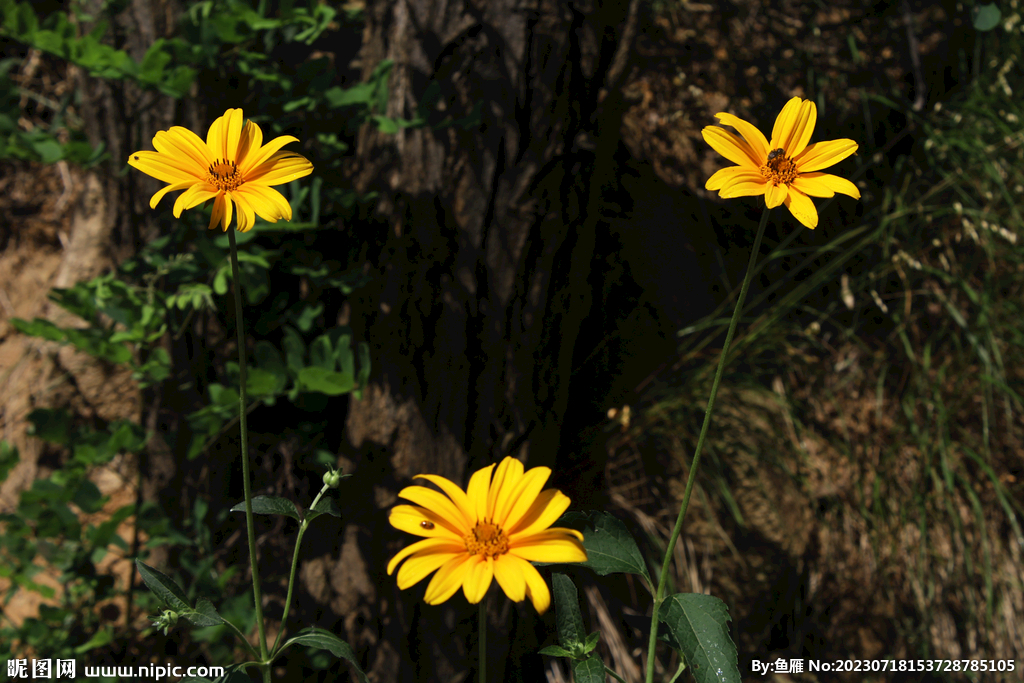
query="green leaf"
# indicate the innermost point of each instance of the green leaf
(321, 353)
(610, 548)
(271, 505)
(343, 97)
(53, 425)
(8, 459)
(39, 328)
(343, 354)
(164, 587)
(205, 614)
(308, 316)
(269, 358)
(259, 382)
(699, 625)
(326, 506)
(154, 62)
(294, 349)
(330, 383)
(986, 17)
(99, 639)
(88, 497)
(589, 670)
(568, 619)
(325, 640)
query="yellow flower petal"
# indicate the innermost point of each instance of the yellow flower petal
(197, 194)
(457, 495)
(536, 589)
(524, 495)
(186, 147)
(802, 208)
(824, 154)
(506, 479)
(430, 555)
(155, 199)
(744, 184)
(510, 575)
(222, 138)
(227, 210)
(283, 167)
(732, 147)
(750, 133)
(246, 214)
(256, 158)
(217, 216)
(550, 547)
(167, 169)
(476, 492)
(448, 579)
(268, 202)
(478, 579)
(409, 518)
(544, 512)
(794, 126)
(816, 185)
(250, 140)
(439, 503)
(775, 195)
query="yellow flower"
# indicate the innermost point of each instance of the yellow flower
(785, 170)
(493, 529)
(233, 166)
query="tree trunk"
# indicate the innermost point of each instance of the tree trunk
(485, 279)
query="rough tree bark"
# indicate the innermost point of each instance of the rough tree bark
(485, 279)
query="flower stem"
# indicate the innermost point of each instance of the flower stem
(663, 579)
(483, 640)
(250, 529)
(295, 563)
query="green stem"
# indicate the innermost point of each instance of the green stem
(663, 579)
(483, 640)
(250, 528)
(295, 563)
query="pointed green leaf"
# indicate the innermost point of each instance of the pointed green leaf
(589, 670)
(321, 353)
(294, 349)
(325, 640)
(205, 614)
(568, 619)
(326, 382)
(164, 587)
(271, 505)
(326, 506)
(699, 624)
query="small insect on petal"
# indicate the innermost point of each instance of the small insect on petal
(775, 153)
(427, 525)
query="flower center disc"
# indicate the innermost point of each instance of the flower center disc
(224, 175)
(779, 168)
(486, 539)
